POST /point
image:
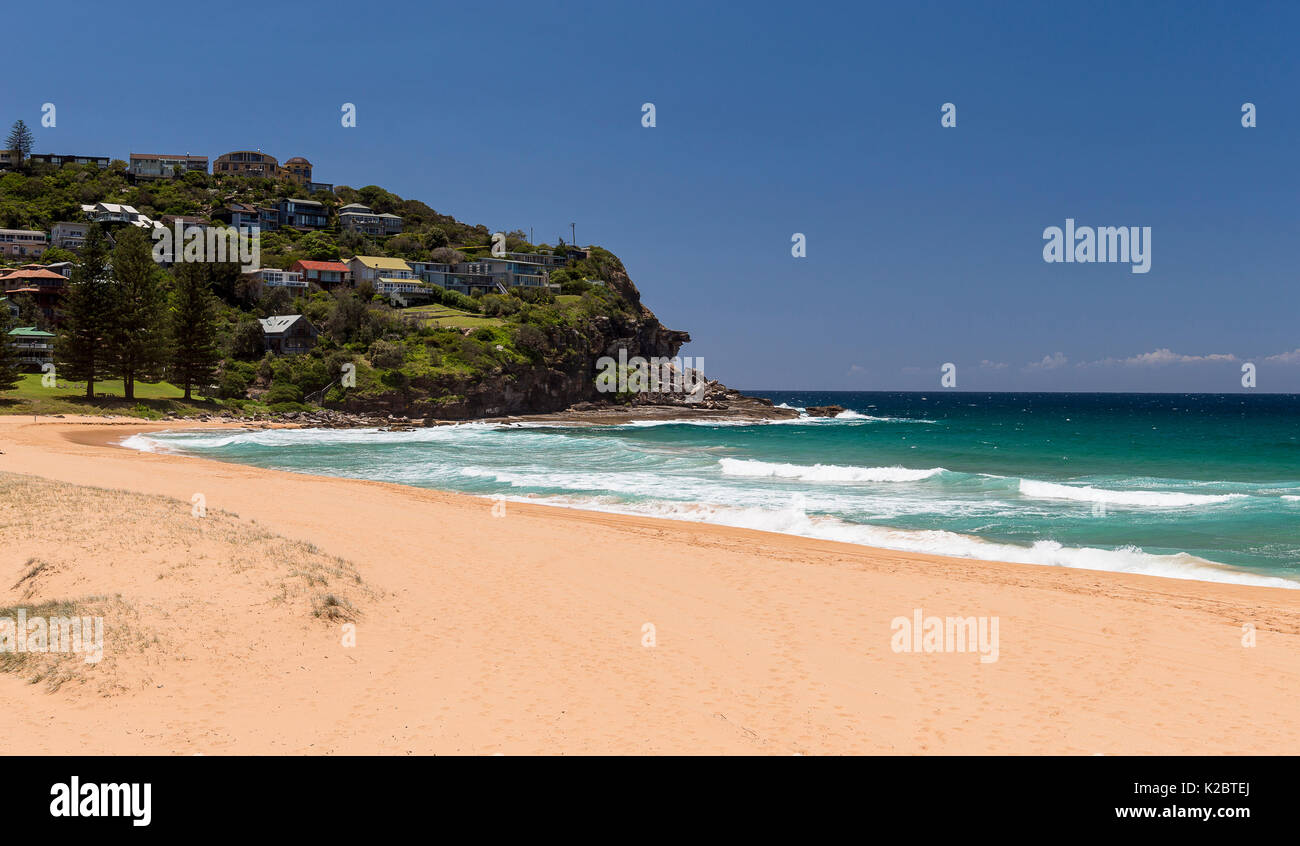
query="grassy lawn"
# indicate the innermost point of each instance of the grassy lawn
(151, 399)
(446, 317)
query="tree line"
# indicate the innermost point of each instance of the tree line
(124, 318)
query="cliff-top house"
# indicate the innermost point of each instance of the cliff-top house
(355, 217)
(151, 166)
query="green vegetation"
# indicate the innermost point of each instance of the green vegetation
(130, 331)
(152, 400)
(442, 316)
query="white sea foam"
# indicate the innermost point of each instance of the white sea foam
(144, 443)
(1150, 499)
(792, 520)
(823, 472)
(685, 491)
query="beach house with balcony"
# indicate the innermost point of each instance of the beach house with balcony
(372, 268)
(44, 286)
(511, 273)
(270, 277)
(355, 217)
(69, 235)
(324, 274)
(303, 214)
(239, 215)
(288, 334)
(60, 160)
(17, 243)
(151, 166)
(35, 347)
(111, 214)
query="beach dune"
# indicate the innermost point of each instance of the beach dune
(525, 629)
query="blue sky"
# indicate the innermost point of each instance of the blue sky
(924, 243)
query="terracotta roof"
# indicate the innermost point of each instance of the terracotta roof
(323, 265)
(36, 274)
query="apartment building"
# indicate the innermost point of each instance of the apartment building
(303, 214)
(8, 159)
(17, 243)
(470, 283)
(297, 170)
(356, 217)
(150, 166)
(543, 259)
(59, 161)
(511, 273)
(69, 235)
(247, 163)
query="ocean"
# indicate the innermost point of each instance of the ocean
(1196, 486)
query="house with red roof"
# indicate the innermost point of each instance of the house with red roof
(325, 274)
(45, 287)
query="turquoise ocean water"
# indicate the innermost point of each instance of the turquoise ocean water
(1194, 486)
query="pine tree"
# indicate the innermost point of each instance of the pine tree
(195, 352)
(88, 307)
(10, 364)
(20, 141)
(137, 332)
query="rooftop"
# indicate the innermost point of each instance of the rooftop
(382, 263)
(278, 323)
(323, 265)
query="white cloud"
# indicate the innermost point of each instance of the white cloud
(1049, 362)
(1292, 357)
(1160, 358)
(993, 365)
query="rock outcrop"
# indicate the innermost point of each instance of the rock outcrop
(565, 378)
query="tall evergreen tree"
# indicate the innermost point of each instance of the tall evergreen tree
(10, 364)
(195, 353)
(20, 140)
(88, 309)
(137, 334)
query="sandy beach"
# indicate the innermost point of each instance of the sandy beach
(525, 632)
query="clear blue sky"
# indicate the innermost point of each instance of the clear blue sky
(924, 243)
